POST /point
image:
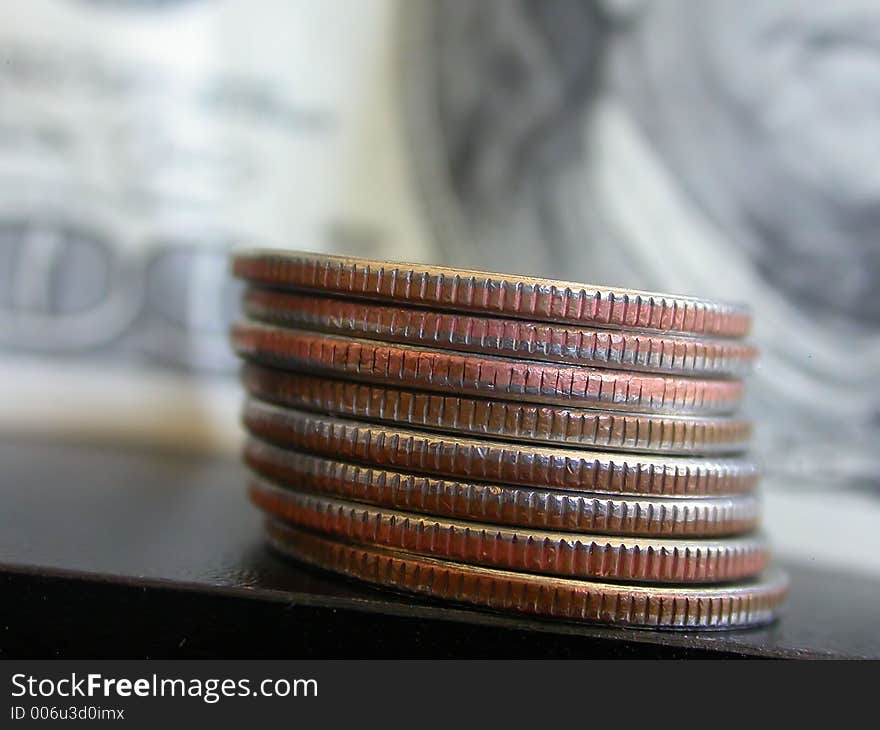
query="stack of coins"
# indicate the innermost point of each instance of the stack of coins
(514, 443)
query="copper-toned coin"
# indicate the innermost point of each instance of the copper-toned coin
(641, 559)
(478, 375)
(505, 337)
(496, 461)
(748, 603)
(508, 295)
(485, 417)
(524, 506)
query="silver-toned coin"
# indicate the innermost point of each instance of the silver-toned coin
(509, 295)
(503, 419)
(482, 375)
(508, 463)
(747, 603)
(573, 554)
(546, 509)
(560, 343)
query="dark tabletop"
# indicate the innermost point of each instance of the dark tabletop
(124, 552)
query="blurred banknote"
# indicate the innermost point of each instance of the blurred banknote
(719, 149)
(139, 141)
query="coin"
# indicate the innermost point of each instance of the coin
(504, 337)
(507, 295)
(748, 603)
(471, 374)
(606, 557)
(627, 558)
(486, 417)
(523, 506)
(497, 461)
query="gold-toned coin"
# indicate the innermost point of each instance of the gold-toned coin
(507, 295)
(482, 375)
(748, 603)
(497, 461)
(607, 557)
(492, 418)
(560, 343)
(504, 505)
